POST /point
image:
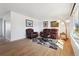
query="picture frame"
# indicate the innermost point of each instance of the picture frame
(45, 23)
(54, 24)
(29, 23)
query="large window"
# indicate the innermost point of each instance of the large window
(77, 26)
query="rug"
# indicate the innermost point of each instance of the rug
(51, 43)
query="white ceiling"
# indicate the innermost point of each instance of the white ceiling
(38, 10)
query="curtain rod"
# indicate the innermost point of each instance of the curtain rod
(72, 9)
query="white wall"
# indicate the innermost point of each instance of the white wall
(18, 25)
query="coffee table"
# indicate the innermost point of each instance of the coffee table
(47, 42)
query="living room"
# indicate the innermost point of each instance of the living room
(34, 26)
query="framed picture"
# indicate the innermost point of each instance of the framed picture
(29, 23)
(54, 24)
(45, 24)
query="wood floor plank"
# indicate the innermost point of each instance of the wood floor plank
(26, 47)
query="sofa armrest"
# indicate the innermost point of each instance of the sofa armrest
(41, 32)
(35, 33)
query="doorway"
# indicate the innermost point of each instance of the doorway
(5, 30)
(1, 29)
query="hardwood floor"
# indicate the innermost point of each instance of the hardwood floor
(26, 47)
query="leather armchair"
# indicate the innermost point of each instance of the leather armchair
(31, 34)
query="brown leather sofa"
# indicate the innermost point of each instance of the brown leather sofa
(54, 33)
(45, 33)
(31, 34)
(49, 33)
